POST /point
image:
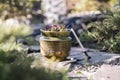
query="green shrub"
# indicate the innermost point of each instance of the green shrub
(107, 32)
(15, 64)
(17, 6)
(13, 32)
(18, 67)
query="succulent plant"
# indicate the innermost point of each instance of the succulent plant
(55, 31)
(54, 27)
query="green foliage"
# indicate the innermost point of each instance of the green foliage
(85, 36)
(20, 68)
(8, 36)
(14, 31)
(107, 32)
(17, 8)
(12, 5)
(15, 64)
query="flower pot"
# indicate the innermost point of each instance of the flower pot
(54, 48)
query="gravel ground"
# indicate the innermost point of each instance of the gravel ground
(106, 70)
(102, 66)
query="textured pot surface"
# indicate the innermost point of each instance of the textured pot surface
(55, 49)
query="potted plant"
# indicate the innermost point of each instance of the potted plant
(55, 42)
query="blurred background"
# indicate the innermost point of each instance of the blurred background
(49, 11)
(76, 14)
(96, 23)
